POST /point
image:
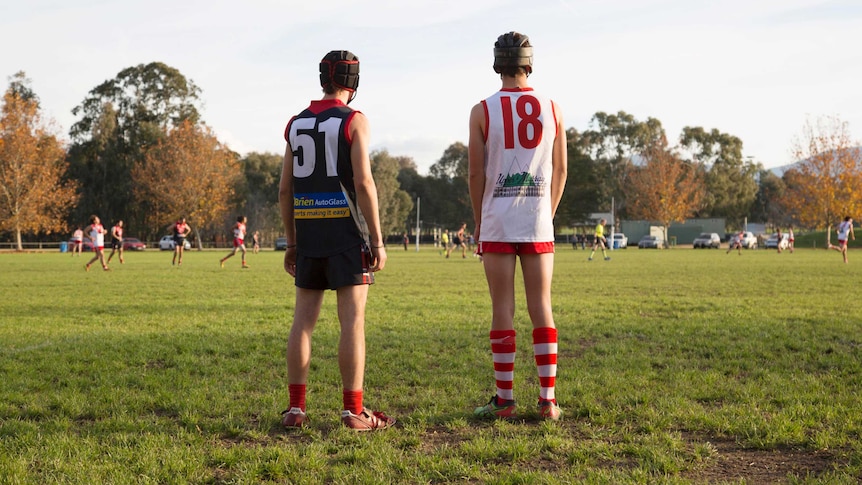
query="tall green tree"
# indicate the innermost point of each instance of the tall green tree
(582, 185)
(617, 142)
(258, 192)
(120, 120)
(393, 203)
(730, 181)
(34, 193)
(768, 203)
(449, 203)
(453, 164)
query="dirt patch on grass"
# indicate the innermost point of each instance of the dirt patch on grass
(729, 461)
(733, 463)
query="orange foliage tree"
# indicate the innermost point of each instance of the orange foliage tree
(826, 185)
(189, 173)
(34, 197)
(665, 188)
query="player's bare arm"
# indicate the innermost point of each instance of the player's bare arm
(476, 164)
(559, 159)
(285, 203)
(366, 188)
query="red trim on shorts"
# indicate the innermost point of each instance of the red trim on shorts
(237, 242)
(515, 248)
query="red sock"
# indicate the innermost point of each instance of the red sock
(545, 352)
(297, 396)
(352, 401)
(503, 351)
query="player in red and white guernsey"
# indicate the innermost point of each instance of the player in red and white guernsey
(95, 232)
(238, 241)
(180, 231)
(517, 172)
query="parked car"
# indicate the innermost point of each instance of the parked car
(620, 241)
(707, 240)
(166, 243)
(281, 244)
(774, 243)
(749, 240)
(133, 244)
(653, 242)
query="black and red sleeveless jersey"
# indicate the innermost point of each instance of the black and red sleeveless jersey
(328, 220)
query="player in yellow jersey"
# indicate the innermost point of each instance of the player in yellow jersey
(600, 241)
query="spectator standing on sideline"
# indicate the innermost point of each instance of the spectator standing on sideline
(117, 241)
(406, 241)
(845, 233)
(77, 241)
(239, 230)
(517, 172)
(334, 239)
(95, 232)
(255, 240)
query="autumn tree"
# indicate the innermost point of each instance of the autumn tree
(189, 173)
(825, 186)
(393, 203)
(616, 142)
(665, 188)
(120, 120)
(34, 195)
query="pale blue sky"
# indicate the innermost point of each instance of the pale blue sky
(754, 69)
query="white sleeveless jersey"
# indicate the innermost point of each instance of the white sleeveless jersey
(844, 230)
(239, 231)
(519, 142)
(97, 235)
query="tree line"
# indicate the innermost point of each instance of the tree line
(140, 152)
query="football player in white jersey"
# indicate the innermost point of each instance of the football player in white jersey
(517, 160)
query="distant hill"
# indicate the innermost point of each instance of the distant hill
(784, 168)
(779, 171)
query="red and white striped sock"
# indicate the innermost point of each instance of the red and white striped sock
(503, 350)
(545, 351)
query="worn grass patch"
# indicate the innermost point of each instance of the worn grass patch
(678, 366)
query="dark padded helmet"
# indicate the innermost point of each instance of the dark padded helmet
(340, 69)
(513, 50)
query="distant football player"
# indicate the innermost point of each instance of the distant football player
(239, 230)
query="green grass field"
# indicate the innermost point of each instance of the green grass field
(676, 366)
